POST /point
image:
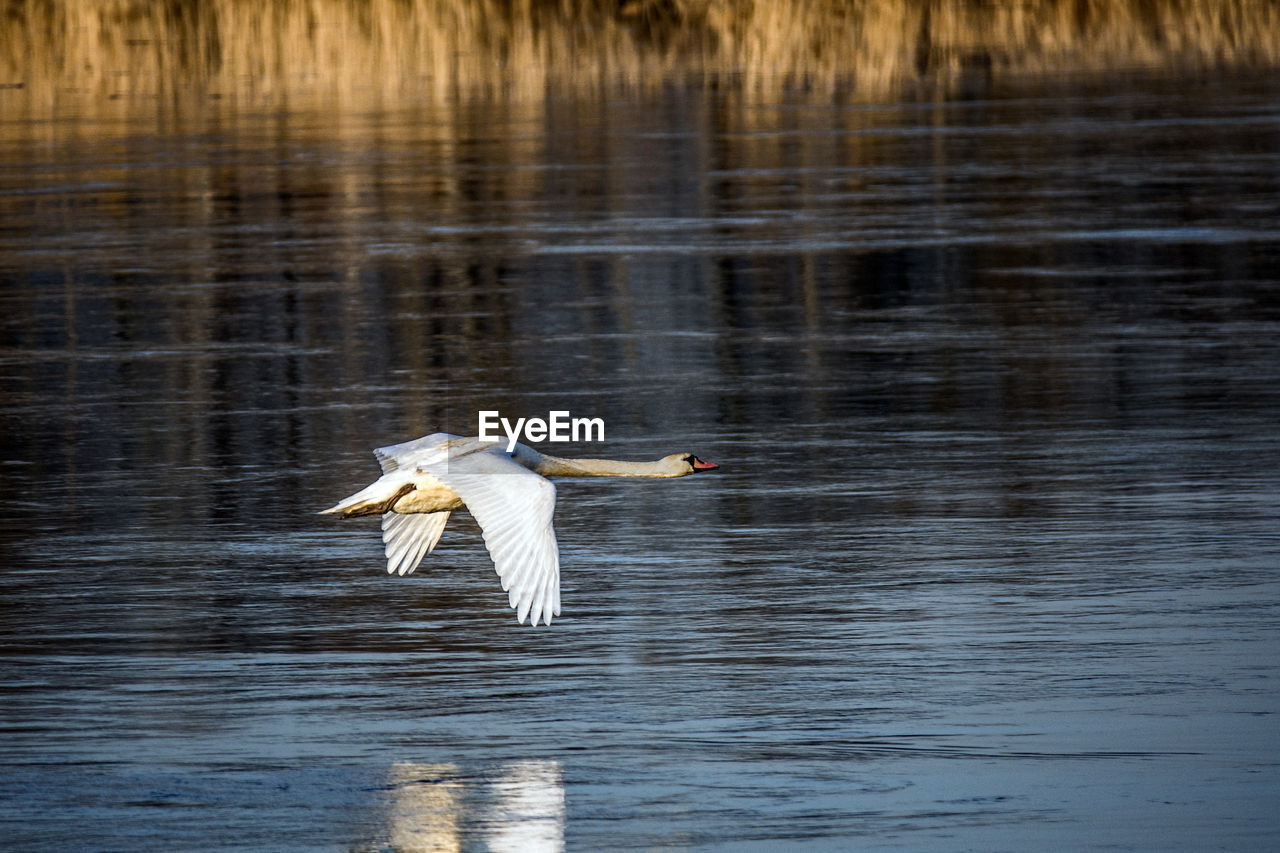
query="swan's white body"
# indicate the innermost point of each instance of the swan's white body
(508, 494)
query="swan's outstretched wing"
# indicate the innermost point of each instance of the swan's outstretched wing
(514, 508)
(409, 537)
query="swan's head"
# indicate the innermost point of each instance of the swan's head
(681, 464)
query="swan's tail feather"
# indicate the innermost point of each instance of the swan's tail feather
(374, 500)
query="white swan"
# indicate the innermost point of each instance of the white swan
(425, 479)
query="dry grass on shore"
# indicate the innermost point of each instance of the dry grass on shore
(379, 50)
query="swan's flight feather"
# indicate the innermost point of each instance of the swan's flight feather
(514, 508)
(409, 537)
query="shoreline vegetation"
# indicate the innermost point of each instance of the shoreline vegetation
(384, 52)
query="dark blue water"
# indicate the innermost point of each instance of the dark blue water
(991, 563)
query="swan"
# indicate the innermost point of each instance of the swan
(506, 492)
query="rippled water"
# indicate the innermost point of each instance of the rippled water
(991, 563)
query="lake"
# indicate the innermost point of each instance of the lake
(992, 561)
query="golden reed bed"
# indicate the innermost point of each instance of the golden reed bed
(376, 52)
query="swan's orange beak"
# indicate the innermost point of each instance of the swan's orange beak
(699, 465)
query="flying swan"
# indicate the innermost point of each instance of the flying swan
(508, 495)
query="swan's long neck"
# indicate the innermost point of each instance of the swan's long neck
(554, 466)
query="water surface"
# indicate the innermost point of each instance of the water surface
(991, 562)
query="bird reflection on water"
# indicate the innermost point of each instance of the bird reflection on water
(435, 807)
